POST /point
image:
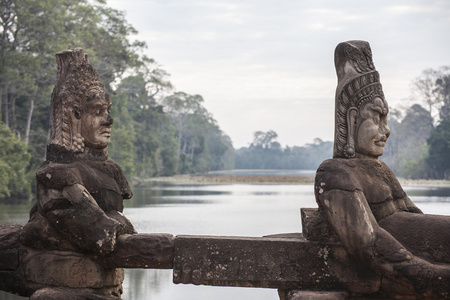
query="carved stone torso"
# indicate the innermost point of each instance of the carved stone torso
(103, 179)
(381, 188)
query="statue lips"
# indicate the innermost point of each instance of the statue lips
(381, 142)
(106, 132)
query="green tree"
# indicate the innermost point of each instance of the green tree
(265, 140)
(122, 149)
(406, 149)
(201, 145)
(266, 153)
(31, 33)
(432, 88)
(186, 111)
(145, 141)
(14, 158)
(153, 133)
(439, 151)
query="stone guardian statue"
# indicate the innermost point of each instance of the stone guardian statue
(78, 215)
(363, 201)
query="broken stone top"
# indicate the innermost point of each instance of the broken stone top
(358, 84)
(77, 90)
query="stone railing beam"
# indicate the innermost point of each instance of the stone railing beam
(282, 261)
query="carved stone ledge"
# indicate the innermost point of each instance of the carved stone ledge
(312, 295)
(315, 227)
(142, 251)
(269, 262)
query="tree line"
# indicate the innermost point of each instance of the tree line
(265, 152)
(158, 131)
(419, 145)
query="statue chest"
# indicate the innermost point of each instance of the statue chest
(385, 196)
(103, 179)
(104, 189)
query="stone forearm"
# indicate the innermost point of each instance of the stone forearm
(352, 220)
(78, 218)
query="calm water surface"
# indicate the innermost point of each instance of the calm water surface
(235, 209)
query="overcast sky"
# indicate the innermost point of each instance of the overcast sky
(268, 64)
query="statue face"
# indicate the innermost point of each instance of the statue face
(96, 122)
(372, 130)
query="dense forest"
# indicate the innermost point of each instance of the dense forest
(266, 153)
(418, 147)
(159, 131)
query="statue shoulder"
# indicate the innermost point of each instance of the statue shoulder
(338, 173)
(116, 172)
(58, 175)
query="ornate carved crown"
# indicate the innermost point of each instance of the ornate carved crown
(76, 81)
(358, 83)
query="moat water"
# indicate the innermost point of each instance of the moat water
(227, 209)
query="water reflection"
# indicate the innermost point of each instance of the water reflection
(15, 213)
(162, 193)
(225, 209)
(441, 192)
(236, 172)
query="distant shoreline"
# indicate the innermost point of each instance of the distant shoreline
(262, 179)
(202, 179)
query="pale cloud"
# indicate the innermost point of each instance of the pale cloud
(264, 64)
(412, 9)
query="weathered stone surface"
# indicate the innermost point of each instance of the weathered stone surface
(9, 259)
(315, 226)
(285, 263)
(313, 295)
(142, 251)
(68, 269)
(363, 201)
(9, 246)
(12, 282)
(9, 236)
(80, 193)
(424, 235)
(74, 294)
(366, 240)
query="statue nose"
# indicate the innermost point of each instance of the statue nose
(387, 131)
(109, 120)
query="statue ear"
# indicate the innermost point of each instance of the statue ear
(76, 112)
(352, 114)
(76, 143)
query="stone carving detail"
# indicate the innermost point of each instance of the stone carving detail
(358, 83)
(366, 240)
(77, 239)
(363, 201)
(78, 214)
(77, 84)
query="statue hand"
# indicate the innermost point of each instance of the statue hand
(388, 249)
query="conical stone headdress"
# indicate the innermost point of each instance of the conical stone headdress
(358, 83)
(76, 81)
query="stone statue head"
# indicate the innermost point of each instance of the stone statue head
(80, 107)
(361, 109)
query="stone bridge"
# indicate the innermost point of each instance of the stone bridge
(312, 265)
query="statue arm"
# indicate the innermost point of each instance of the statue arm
(411, 206)
(351, 218)
(75, 214)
